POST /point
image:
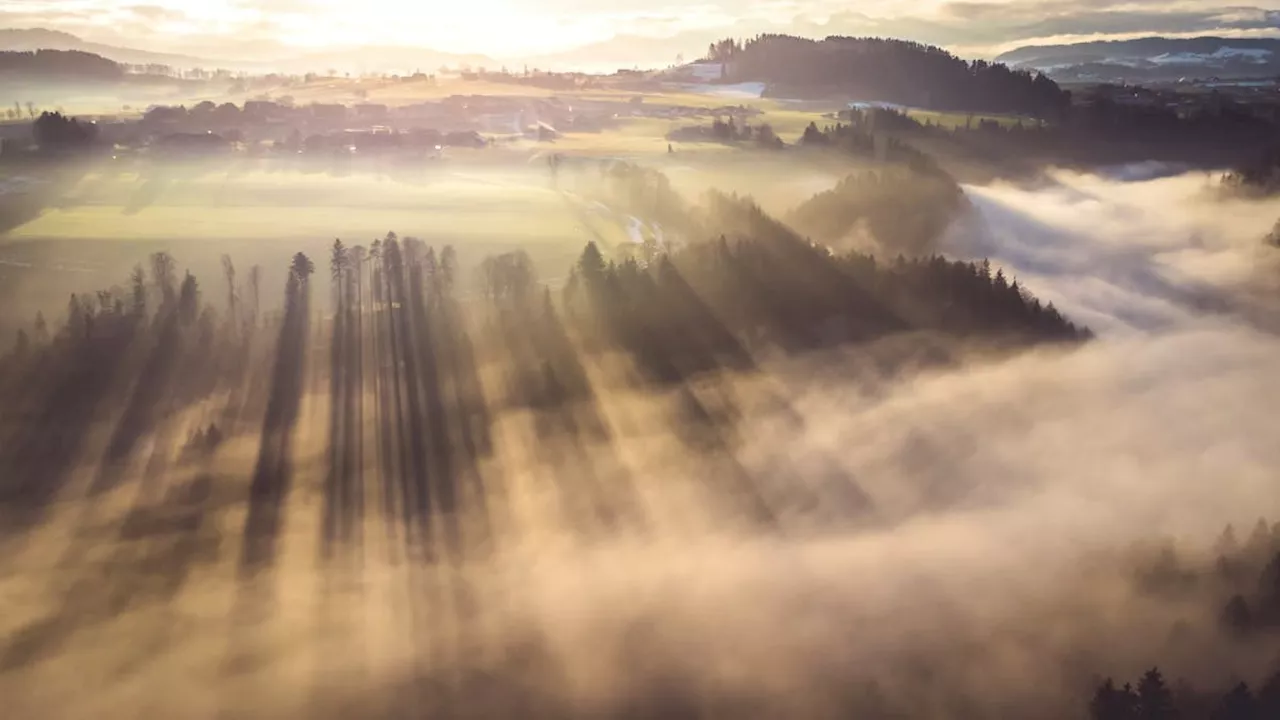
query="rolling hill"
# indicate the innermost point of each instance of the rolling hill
(42, 39)
(1152, 59)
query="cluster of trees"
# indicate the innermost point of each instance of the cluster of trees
(896, 71)
(1242, 588)
(1242, 584)
(729, 131)
(645, 192)
(866, 136)
(53, 130)
(58, 384)
(63, 64)
(902, 207)
(1153, 699)
(1104, 126)
(704, 305)
(1249, 573)
(205, 113)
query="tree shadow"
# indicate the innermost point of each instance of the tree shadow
(65, 389)
(273, 471)
(151, 557)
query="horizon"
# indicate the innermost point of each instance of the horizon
(573, 33)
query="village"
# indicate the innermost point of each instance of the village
(278, 123)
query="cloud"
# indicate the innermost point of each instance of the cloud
(976, 26)
(154, 12)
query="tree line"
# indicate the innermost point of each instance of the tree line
(69, 64)
(1238, 591)
(903, 208)
(760, 284)
(897, 71)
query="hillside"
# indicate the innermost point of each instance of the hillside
(25, 40)
(66, 64)
(1152, 59)
(896, 71)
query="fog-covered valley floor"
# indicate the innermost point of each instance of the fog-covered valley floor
(395, 519)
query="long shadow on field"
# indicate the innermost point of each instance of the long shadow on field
(151, 557)
(143, 410)
(47, 414)
(343, 499)
(273, 472)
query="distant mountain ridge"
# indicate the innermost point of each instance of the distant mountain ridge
(43, 39)
(1152, 59)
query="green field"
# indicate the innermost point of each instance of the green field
(101, 226)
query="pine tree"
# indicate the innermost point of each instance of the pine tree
(1238, 704)
(189, 299)
(138, 279)
(1110, 703)
(1155, 700)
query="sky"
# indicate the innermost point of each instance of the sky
(516, 28)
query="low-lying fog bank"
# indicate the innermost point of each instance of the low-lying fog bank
(952, 542)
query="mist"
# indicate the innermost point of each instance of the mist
(859, 535)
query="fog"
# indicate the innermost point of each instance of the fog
(941, 542)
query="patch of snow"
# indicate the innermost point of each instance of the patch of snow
(739, 91)
(707, 72)
(1256, 55)
(1179, 59)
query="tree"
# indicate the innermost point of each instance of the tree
(22, 345)
(340, 267)
(1111, 704)
(1155, 700)
(1238, 704)
(163, 267)
(229, 273)
(767, 138)
(189, 299)
(138, 283)
(448, 269)
(591, 264)
(41, 328)
(255, 290)
(1237, 617)
(339, 263)
(302, 268)
(76, 325)
(55, 131)
(813, 136)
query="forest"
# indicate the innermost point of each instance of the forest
(1236, 585)
(409, 339)
(69, 64)
(896, 71)
(158, 344)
